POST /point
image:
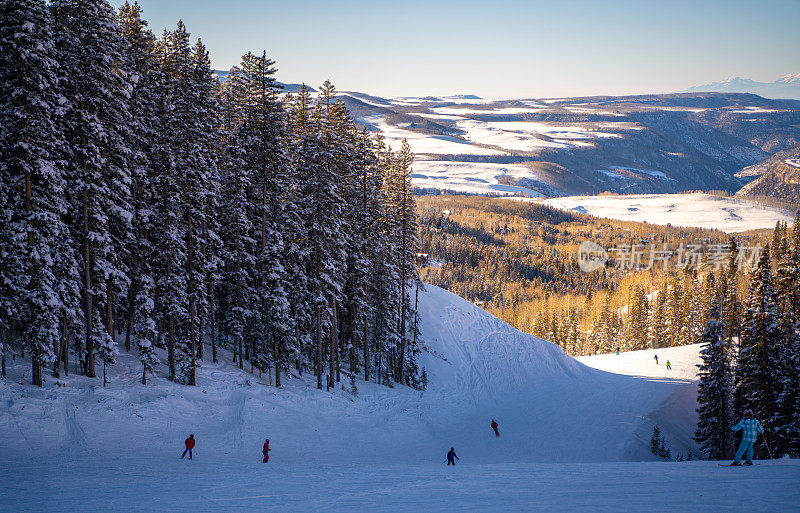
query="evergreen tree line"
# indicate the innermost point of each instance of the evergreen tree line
(143, 200)
(751, 354)
(674, 315)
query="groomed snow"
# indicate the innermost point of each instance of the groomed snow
(701, 210)
(565, 429)
(683, 360)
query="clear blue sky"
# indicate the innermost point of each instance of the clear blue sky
(498, 48)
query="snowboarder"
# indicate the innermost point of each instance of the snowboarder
(750, 428)
(265, 451)
(451, 457)
(617, 351)
(494, 426)
(669, 365)
(655, 357)
(189, 446)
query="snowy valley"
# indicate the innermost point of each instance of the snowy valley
(563, 146)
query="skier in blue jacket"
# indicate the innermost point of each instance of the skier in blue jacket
(750, 429)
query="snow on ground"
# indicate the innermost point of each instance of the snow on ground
(683, 360)
(81, 446)
(793, 162)
(696, 209)
(426, 143)
(471, 177)
(123, 484)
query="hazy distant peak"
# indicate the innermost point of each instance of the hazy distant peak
(788, 86)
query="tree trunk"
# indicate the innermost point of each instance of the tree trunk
(64, 354)
(3, 348)
(171, 346)
(402, 327)
(36, 372)
(366, 349)
(200, 332)
(213, 320)
(129, 321)
(276, 357)
(36, 367)
(193, 286)
(87, 283)
(110, 308)
(192, 348)
(319, 343)
(332, 350)
(57, 360)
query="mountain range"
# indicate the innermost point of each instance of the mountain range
(788, 86)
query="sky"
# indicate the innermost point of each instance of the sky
(497, 48)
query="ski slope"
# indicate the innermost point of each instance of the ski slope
(562, 423)
(683, 359)
(697, 209)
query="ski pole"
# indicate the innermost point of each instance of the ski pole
(766, 442)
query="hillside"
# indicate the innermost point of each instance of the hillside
(777, 176)
(563, 146)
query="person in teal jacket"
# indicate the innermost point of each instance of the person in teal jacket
(750, 429)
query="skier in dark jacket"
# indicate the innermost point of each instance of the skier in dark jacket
(265, 451)
(655, 357)
(451, 457)
(494, 426)
(189, 446)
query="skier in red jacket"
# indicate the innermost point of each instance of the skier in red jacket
(494, 426)
(189, 446)
(265, 451)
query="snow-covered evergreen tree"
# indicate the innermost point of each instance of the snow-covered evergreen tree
(145, 77)
(787, 422)
(713, 432)
(33, 184)
(759, 361)
(90, 47)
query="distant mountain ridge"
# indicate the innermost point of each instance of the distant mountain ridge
(788, 86)
(778, 176)
(289, 88)
(581, 145)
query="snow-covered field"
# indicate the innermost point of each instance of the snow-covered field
(573, 438)
(471, 177)
(683, 360)
(696, 209)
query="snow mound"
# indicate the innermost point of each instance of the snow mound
(550, 407)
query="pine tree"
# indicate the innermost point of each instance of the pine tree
(657, 328)
(33, 191)
(674, 315)
(787, 422)
(90, 46)
(759, 360)
(145, 76)
(406, 244)
(713, 432)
